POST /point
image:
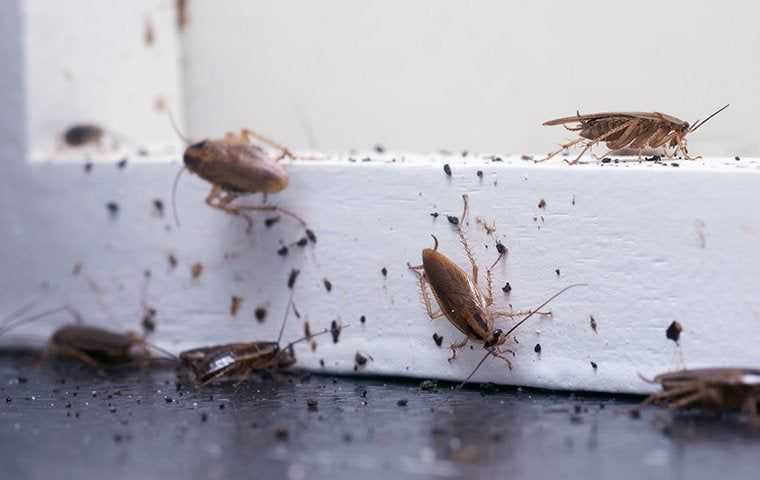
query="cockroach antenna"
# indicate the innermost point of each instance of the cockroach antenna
(10, 325)
(698, 124)
(181, 170)
(285, 317)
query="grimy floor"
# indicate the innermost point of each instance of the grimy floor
(63, 420)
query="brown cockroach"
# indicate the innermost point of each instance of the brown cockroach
(461, 300)
(712, 388)
(236, 166)
(238, 360)
(636, 131)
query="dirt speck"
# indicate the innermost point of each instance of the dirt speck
(328, 285)
(282, 251)
(592, 320)
(113, 208)
(542, 203)
(452, 219)
(402, 402)
(384, 271)
(447, 169)
(594, 365)
(438, 339)
(260, 314)
(673, 331)
(537, 348)
(506, 288)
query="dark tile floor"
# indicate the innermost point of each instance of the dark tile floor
(63, 420)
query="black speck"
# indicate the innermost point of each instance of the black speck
(221, 406)
(495, 158)
(674, 164)
(8, 399)
(293, 277)
(158, 205)
(261, 314)
(526, 157)
(335, 331)
(438, 339)
(379, 148)
(465, 153)
(635, 413)
(434, 214)
(122, 163)
(22, 379)
(204, 417)
(542, 203)
(311, 235)
(737, 158)
(576, 419)
(384, 271)
(271, 221)
(557, 272)
(281, 434)
(403, 402)
(506, 288)
(87, 167)
(653, 158)
(282, 251)
(479, 173)
(172, 259)
(302, 242)
(674, 331)
(312, 404)
(328, 285)
(168, 399)
(537, 348)
(501, 248)
(148, 322)
(113, 208)
(348, 438)
(360, 359)
(322, 362)
(593, 323)
(594, 365)
(606, 160)
(452, 219)
(363, 319)
(366, 159)
(447, 169)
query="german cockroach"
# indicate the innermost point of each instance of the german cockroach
(712, 388)
(236, 166)
(238, 360)
(636, 131)
(461, 300)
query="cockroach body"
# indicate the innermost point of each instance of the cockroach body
(461, 300)
(235, 166)
(97, 346)
(711, 388)
(236, 360)
(636, 131)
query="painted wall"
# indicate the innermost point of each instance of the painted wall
(434, 74)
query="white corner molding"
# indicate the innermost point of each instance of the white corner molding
(655, 242)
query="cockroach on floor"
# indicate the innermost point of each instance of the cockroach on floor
(238, 360)
(94, 346)
(711, 388)
(461, 300)
(236, 166)
(637, 131)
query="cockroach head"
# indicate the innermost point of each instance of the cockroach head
(497, 337)
(195, 154)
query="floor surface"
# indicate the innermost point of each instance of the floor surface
(64, 420)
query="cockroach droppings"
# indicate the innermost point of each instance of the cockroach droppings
(379, 148)
(479, 173)
(335, 331)
(113, 208)
(148, 320)
(282, 251)
(281, 434)
(312, 405)
(158, 206)
(77, 269)
(235, 302)
(384, 271)
(447, 169)
(403, 402)
(674, 331)
(506, 288)
(196, 269)
(557, 272)
(501, 248)
(122, 164)
(271, 221)
(542, 203)
(452, 219)
(363, 319)
(360, 359)
(593, 323)
(438, 339)
(260, 313)
(322, 362)
(537, 348)
(328, 285)
(172, 259)
(87, 167)
(311, 235)
(594, 365)
(293, 277)
(302, 242)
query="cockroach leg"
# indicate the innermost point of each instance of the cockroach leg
(66, 351)
(425, 294)
(457, 346)
(688, 400)
(667, 395)
(563, 147)
(498, 354)
(249, 134)
(219, 199)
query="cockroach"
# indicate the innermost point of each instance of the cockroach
(462, 302)
(238, 360)
(82, 134)
(712, 388)
(636, 131)
(236, 166)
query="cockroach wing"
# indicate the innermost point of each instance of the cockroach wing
(608, 115)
